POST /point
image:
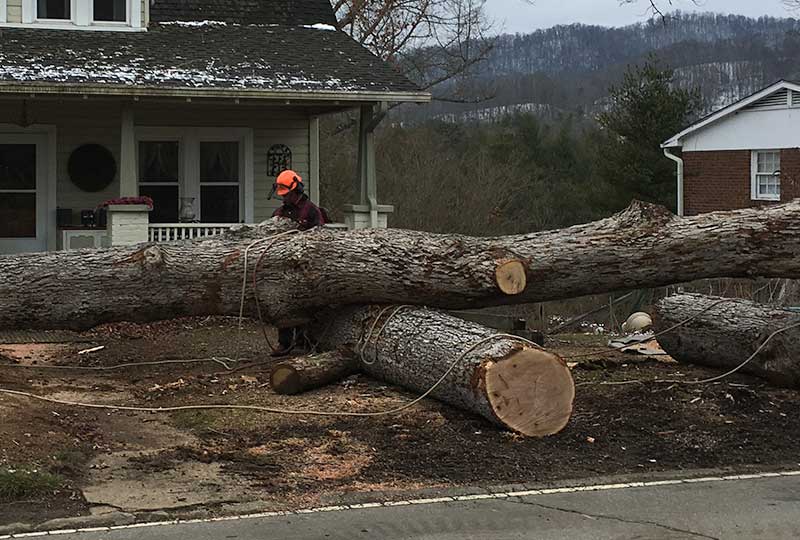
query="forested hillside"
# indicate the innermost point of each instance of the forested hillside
(569, 68)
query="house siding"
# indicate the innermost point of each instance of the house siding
(14, 13)
(720, 180)
(99, 122)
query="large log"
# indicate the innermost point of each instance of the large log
(726, 332)
(643, 246)
(515, 385)
(306, 373)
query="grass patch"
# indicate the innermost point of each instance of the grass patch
(71, 462)
(194, 420)
(17, 483)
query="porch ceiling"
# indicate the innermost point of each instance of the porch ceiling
(207, 59)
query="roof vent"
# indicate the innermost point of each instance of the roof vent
(776, 100)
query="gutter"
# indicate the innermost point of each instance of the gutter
(679, 161)
(278, 95)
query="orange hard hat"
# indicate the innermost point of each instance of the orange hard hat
(287, 181)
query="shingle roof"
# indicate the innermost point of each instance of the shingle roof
(199, 56)
(286, 12)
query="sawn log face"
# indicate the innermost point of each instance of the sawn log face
(299, 273)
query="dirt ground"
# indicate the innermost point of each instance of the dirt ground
(179, 462)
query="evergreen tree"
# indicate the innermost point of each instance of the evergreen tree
(645, 110)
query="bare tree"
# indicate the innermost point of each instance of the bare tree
(657, 7)
(431, 41)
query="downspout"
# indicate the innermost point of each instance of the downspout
(679, 161)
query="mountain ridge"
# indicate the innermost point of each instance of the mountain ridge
(569, 68)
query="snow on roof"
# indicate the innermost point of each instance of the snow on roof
(199, 55)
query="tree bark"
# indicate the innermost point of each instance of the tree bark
(727, 333)
(644, 246)
(310, 372)
(515, 385)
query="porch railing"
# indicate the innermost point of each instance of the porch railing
(170, 232)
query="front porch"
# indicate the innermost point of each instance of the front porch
(206, 164)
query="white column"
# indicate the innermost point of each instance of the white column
(81, 14)
(313, 155)
(28, 11)
(248, 181)
(128, 182)
(135, 16)
(368, 213)
(366, 155)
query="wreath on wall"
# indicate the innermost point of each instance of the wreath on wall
(92, 167)
(279, 158)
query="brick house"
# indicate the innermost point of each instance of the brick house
(746, 154)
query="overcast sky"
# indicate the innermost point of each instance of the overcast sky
(519, 16)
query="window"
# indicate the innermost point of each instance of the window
(17, 191)
(209, 168)
(121, 15)
(159, 177)
(54, 9)
(219, 182)
(766, 175)
(110, 10)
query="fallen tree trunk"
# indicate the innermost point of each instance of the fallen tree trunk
(300, 272)
(515, 385)
(728, 332)
(310, 372)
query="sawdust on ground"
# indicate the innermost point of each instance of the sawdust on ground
(202, 459)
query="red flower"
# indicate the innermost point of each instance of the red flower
(128, 200)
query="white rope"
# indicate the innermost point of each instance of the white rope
(274, 410)
(700, 381)
(362, 344)
(219, 360)
(271, 239)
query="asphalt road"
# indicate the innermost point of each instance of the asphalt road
(763, 508)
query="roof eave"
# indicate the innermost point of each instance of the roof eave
(218, 93)
(672, 143)
(730, 109)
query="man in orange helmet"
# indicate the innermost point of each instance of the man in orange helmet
(296, 204)
(299, 208)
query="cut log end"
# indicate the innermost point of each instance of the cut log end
(511, 277)
(531, 392)
(310, 372)
(285, 380)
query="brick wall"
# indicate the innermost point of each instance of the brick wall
(720, 180)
